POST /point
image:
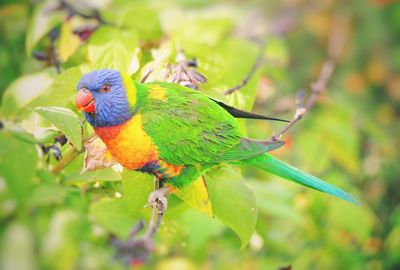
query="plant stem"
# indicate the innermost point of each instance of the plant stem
(257, 63)
(68, 158)
(154, 224)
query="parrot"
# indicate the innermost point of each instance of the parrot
(176, 133)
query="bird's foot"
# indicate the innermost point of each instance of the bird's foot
(158, 199)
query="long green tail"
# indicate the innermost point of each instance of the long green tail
(282, 169)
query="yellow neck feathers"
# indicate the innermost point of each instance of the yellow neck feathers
(130, 88)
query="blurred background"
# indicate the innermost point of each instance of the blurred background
(350, 138)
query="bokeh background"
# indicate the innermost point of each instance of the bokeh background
(350, 138)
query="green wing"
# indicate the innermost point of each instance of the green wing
(189, 128)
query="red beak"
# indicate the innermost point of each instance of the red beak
(85, 101)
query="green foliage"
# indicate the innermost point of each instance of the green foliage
(234, 218)
(16, 97)
(41, 23)
(18, 175)
(114, 215)
(115, 56)
(137, 187)
(66, 121)
(237, 206)
(17, 242)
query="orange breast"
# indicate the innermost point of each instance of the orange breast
(129, 144)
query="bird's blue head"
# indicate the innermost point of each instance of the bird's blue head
(102, 95)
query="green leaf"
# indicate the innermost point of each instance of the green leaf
(233, 202)
(128, 37)
(89, 177)
(194, 31)
(43, 20)
(61, 92)
(65, 120)
(22, 91)
(176, 207)
(200, 228)
(45, 135)
(133, 17)
(41, 135)
(68, 41)
(20, 133)
(136, 189)
(196, 196)
(114, 215)
(17, 165)
(114, 55)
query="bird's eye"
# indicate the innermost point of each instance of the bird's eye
(105, 87)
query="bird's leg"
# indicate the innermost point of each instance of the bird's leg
(158, 198)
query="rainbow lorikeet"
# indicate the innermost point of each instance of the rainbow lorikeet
(176, 133)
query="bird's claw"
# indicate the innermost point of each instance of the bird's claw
(158, 199)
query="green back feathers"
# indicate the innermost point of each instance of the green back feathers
(187, 127)
(190, 128)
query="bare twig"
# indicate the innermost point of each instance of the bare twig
(146, 75)
(136, 250)
(300, 111)
(335, 44)
(257, 63)
(156, 216)
(69, 157)
(319, 86)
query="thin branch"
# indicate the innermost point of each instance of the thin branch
(336, 42)
(319, 86)
(257, 63)
(154, 224)
(146, 75)
(70, 156)
(300, 111)
(137, 249)
(156, 216)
